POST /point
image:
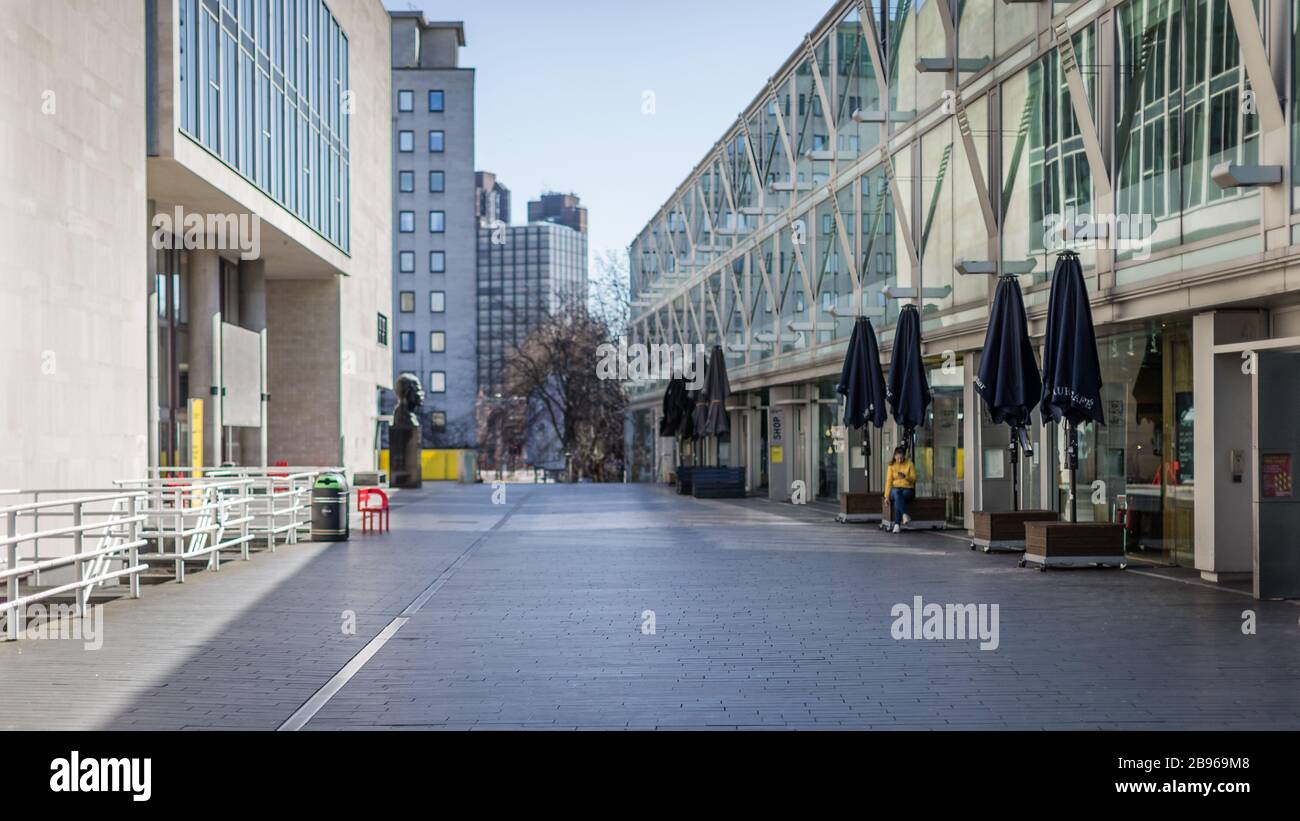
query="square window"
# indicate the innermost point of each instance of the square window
(406, 181)
(406, 302)
(437, 141)
(406, 262)
(436, 100)
(406, 339)
(437, 301)
(437, 182)
(437, 222)
(437, 341)
(406, 222)
(437, 262)
(405, 100)
(383, 330)
(406, 141)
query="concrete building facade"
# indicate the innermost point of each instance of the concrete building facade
(905, 146)
(434, 212)
(211, 158)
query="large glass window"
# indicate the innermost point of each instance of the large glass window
(262, 86)
(1179, 92)
(1138, 469)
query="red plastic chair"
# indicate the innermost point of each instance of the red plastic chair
(372, 515)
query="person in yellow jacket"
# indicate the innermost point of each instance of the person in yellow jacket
(900, 486)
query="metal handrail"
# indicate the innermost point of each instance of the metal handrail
(120, 539)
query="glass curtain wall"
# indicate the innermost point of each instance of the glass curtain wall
(263, 87)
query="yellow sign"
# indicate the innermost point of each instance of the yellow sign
(778, 454)
(196, 435)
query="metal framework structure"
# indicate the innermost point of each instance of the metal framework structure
(899, 148)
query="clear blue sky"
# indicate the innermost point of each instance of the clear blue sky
(560, 84)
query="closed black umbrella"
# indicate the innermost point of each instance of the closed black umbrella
(716, 390)
(1071, 368)
(673, 407)
(1008, 379)
(907, 390)
(862, 384)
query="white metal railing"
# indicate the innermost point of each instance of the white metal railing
(112, 519)
(189, 518)
(281, 496)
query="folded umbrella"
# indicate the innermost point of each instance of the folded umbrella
(907, 390)
(717, 389)
(862, 384)
(1008, 379)
(1071, 368)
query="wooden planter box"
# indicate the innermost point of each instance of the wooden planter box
(1073, 544)
(926, 512)
(859, 507)
(1005, 529)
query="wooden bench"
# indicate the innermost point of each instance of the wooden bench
(926, 512)
(718, 483)
(683, 473)
(859, 507)
(1005, 529)
(1073, 544)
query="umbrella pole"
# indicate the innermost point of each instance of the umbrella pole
(1015, 471)
(1072, 461)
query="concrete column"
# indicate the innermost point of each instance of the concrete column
(973, 465)
(1221, 396)
(252, 315)
(204, 301)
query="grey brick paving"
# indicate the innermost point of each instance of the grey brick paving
(767, 617)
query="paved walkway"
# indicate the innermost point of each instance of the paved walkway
(531, 614)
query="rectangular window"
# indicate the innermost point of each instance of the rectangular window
(406, 181)
(405, 100)
(406, 302)
(406, 222)
(406, 341)
(437, 381)
(436, 100)
(383, 330)
(437, 262)
(438, 420)
(437, 222)
(437, 341)
(406, 262)
(437, 141)
(437, 182)
(406, 141)
(437, 302)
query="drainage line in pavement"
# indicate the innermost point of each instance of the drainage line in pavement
(321, 697)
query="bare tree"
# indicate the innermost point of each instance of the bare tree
(556, 368)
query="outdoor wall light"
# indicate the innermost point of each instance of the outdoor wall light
(860, 116)
(1019, 266)
(1231, 175)
(765, 336)
(871, 312)
(809, 326)
(931, 65)
(891, 292)
(975, 267)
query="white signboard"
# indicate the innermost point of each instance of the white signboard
(241, 371)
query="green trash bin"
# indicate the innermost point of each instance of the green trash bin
(329, 508)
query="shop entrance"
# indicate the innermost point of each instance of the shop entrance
(1275, 452)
